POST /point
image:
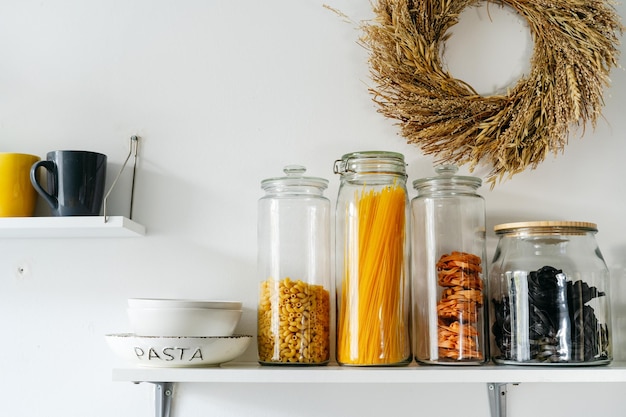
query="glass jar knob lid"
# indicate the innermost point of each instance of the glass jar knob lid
(294, 170)
(294, 177)
(446, 178)
(446, 170)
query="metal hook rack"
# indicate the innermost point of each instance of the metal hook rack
(132, 151)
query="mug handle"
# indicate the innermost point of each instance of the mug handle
(49, 166)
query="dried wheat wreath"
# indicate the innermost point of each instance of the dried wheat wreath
(575, 46)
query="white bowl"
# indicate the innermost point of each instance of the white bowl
(197, 322)
(170, 352)
(176, 302)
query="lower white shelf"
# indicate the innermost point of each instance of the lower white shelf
(253, 373)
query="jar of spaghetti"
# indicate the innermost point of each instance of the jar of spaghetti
(372, 260)
(448, 270)
(550, 295)
(294, 270)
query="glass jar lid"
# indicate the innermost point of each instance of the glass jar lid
(371, 162)
(447, 180)
(545, 227)
(294, 178)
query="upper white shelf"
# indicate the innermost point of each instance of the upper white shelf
(69, 226)
(254, 373)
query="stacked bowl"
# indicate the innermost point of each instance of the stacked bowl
(180, 333)
(188, 318)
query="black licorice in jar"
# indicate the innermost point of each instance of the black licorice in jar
(549, 293)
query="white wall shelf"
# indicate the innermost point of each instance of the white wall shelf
(69, 227)
(414, 374)
(496, 377)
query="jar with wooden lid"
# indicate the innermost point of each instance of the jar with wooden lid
(449, 270)
(549, 290)
(294, 270)
(372, 260)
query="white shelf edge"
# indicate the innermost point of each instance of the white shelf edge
(416, 374)
(69, 226)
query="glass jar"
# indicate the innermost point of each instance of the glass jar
(294, 269)
(372, 260)
(448, 270)
(549, 289)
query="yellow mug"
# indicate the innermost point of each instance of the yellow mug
(17, 195)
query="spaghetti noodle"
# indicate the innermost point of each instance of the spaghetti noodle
(372, 317)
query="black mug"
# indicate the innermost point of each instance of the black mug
(75, 182)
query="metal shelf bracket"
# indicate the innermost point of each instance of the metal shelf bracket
(497, 398)
(163, 393)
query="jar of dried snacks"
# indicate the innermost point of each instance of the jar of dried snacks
(372, 260)
(294, 270)
(549, 288)
(448, 270)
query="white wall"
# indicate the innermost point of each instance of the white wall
(223, 95)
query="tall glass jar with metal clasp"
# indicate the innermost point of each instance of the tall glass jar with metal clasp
(294, 269)
(372, 260)
(549, 288)
(449, 270)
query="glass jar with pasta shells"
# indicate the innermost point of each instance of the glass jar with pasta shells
(449, 270)
(294, 268)
(549, 287)
(372, 260)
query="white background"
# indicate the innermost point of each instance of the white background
(223, 94)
